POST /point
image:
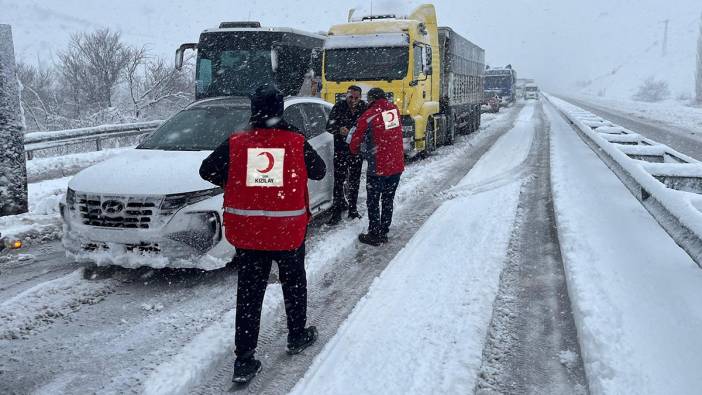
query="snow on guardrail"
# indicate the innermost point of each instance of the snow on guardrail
(41, 137)
(666, 182)
(69, 141)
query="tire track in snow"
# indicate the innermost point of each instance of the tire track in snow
(532, 345)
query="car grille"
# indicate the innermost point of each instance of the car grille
(118, 211)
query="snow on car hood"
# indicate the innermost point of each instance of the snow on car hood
(144, 172)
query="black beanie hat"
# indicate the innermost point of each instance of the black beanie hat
(375, 94)
(267, 105)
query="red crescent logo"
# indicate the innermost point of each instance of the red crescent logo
(271, 162)
(392, 116)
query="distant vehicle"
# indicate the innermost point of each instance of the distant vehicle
(491, 103)
(237, 57)
(502, 81)
(433, 74)
(149, 207)
(531, 91)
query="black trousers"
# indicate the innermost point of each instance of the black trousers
(347, 168)
(254, 270)
(381, 193)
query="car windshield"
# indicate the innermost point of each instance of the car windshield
(366, 64)
(198, 129)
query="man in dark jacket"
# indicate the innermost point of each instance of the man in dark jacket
(347, 166)
(379, 130)
(266, 211)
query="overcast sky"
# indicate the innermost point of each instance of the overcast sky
(555, 41)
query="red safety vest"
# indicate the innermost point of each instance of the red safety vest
(266, 202)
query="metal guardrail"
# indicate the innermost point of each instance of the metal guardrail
(40, 141)
(666, 182)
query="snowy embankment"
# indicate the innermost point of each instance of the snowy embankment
(208, 349)
(671, 112)
(635, 293)
(43, 220)
(422, 326)
(42, 169)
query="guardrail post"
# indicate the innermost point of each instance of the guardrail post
(98, 144)
(13, 165)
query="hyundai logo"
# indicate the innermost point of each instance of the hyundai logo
(112, 207)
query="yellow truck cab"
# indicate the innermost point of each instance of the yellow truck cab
(432, 74)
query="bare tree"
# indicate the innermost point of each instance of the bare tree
(93, 64)
(698, 74)
(159, 84)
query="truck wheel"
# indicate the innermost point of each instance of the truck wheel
(478, 118)
(450, 128)
(429, 140)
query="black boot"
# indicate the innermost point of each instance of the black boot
(246, 369)
(370, 239)
(353, 214)
(296, 346)
(335, 218)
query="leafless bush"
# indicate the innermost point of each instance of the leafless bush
(652, 90)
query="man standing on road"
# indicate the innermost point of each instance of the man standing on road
(347, 166)
(379, 131)
(264, 174)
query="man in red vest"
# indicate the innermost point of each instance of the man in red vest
(378, 134)
(264, 174)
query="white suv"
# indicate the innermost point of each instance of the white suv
(149, 207)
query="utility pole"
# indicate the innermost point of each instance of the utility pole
(13, 165)
(665, 37)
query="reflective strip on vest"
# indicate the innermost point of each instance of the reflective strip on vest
(265, 213)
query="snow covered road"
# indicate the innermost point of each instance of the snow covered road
(421, 327)
(174, 327)
(469, 295)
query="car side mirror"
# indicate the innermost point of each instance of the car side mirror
(427, 70)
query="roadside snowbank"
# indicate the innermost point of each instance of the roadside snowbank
(422, 326)
(635, 293)
(671, 112)
(43, 219)
(41, 169)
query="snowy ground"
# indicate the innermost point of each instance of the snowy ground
(672, 112)
(41, 169)
(422, 325)
(635, 293)
(168, 331)
(469, 295)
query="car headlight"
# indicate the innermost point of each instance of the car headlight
(199, 230)
(173, 203)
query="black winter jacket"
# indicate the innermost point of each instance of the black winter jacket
(342, 116)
